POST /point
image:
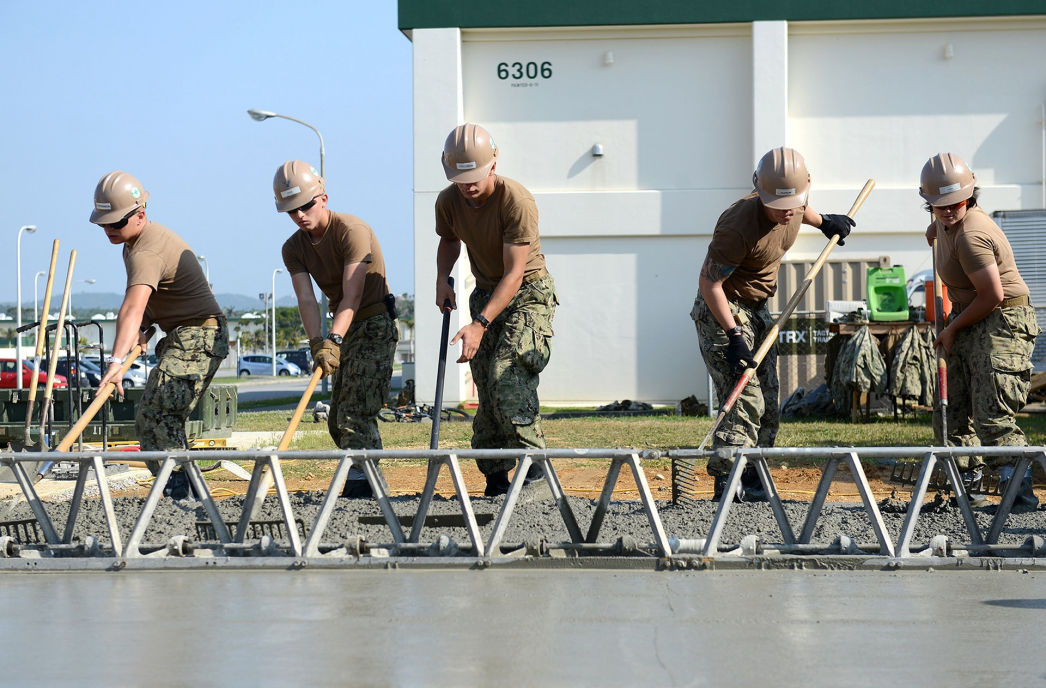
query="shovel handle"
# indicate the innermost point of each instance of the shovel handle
(99, 401)
(288, 435)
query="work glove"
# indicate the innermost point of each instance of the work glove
(327, 357)
(836, 225)
(738, 355)
(314, 346)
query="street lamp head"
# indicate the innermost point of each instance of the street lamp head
(90, 281)
(260, 115)
(28, 228)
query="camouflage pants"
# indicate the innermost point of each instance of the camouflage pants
(187, 359)
(754, 420)
(513, 352)
(361, 384)
(989, 372)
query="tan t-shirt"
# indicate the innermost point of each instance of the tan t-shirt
(161, 259)
(747, 240)
(348, 240)
(509, 216)
(974, 244)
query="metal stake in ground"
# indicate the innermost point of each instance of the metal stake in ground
(942, 362)
(771, 336)
(441, 370)
(40, 337)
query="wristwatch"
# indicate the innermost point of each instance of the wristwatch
(481, 320)
(336, 338)
(735, 331)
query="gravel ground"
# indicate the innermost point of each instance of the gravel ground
(540, 519)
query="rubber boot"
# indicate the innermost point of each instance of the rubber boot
(357, 489)
(178, 487)
(719, 487)
(534, 474)
(497, 484)
(752, 489)
(1025, 500)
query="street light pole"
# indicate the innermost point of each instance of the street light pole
(261, 116)
(86, 281)
(36, 288)
(274, 273)
(18, 309)
(206, 267)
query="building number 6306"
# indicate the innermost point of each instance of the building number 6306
(519, 70)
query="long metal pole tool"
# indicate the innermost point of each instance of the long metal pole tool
(683, 469)
(942, 362)
(441, 370)
(41, 337)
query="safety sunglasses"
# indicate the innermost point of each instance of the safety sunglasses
(950, 208)
(305, 208)
(122, 223)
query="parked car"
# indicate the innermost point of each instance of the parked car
(299, 357)
(91, 373)
(261, 364)
(9, 381)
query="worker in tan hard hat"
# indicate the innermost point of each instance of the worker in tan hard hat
(507, 342)
(738, 275)
(341, 253)
(166, 287)
(991, 331)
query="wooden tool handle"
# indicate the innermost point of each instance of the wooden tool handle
(288, 435)
(99, 401)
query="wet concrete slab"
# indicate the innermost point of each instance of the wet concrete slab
(547, 628)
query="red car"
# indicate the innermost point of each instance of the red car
(8, 380)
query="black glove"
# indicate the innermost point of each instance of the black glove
(738, 355)
(836, 225)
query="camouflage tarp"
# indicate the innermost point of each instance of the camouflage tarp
(859, 366)
(913, 373)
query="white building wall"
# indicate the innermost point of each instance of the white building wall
(682, 113)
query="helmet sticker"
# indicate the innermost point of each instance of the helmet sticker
(950, 188)
(785, 192)
(103, 206)
(314, 171)
(135, 193)
(294, 190)
(493, 146)
(465, 165)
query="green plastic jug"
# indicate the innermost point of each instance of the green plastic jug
(887, 294)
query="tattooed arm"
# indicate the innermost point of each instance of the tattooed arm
(711, 285)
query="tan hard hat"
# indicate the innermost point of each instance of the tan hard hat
(946, 180)
(295, 184)
(781, 179)
(468, 154)
(117, 195)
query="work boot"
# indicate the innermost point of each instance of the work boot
(720, 487)
(497, 484)
(752, 489)
(178, 487)
(1025, 500)
(973, 481)
(534, 474)
(357, 489)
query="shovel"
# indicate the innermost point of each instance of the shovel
(40, 339)
(89, 413)
(52, 364)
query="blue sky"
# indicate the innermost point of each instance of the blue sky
(160, 90)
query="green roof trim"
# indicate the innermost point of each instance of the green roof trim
(430, 14)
